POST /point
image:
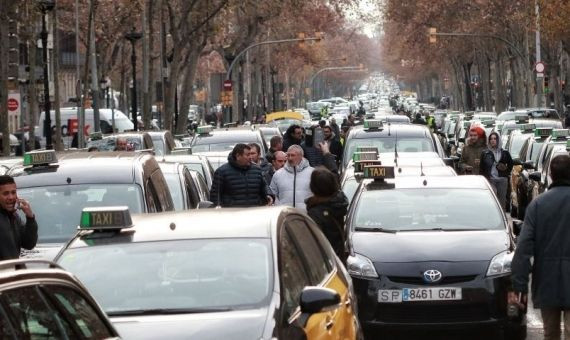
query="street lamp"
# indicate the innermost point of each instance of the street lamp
(104, 84)
(133, 37)
(46, 6)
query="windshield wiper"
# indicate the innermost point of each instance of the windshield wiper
(376, 230)
(166, 311)
(445, 229)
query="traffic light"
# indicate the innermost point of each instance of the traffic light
(432, 35)
(301, 42)
(546, 88)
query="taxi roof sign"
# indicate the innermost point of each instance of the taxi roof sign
(40, 157)
(367, 149)
(204, 129)
(105, 218)
(527, 127)
(373, 124)
(521, 119)
(378, 172)
(360, 165)
(560, 133)
(365, 156)
(543, 132)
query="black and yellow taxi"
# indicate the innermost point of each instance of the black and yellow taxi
(213, 274)
(430, 252)
(59, 186)
(40, 300)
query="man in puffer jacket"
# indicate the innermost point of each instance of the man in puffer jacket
(239, 183)
(291, 184)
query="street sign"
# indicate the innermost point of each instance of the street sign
(227, 85)
(13, 104)
(539, 67)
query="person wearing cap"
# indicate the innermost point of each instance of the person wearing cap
(15, 234)
(471, 154)
(328, 207)
(496, 166)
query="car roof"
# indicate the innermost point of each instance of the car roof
(194, 224)
(170, 167)
(83, 168)
(433, 182)
(230, 135)
(400, 130)
(182, 158)
(36, 270)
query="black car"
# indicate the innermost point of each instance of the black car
(214, 274)
(430, 252)
(40, 300)
(59, 186)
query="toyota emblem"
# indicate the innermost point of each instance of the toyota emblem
(432, 276)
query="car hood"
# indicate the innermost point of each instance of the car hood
(247, 324)
(43, 251)
(452, 246)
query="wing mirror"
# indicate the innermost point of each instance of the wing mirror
(318, 299)
(517, 161)
(528, 165)
(205, 205)
(535, 176)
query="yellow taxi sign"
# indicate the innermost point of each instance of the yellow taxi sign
(283, 115)
(360, 165)
(365, 156)
(101, 218)
(41, 157)
(521, 119)
(367, 149)
(378, 172)
(204, 130)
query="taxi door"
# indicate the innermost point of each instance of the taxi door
(320, 264)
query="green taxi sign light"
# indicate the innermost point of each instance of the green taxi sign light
(42, 157)
(367, 149)
(360, 165)
(365, 156)
(542, 132)
(522, 119)
(560, 133)
(527, 127)
(373, 124)
(204, 130)
(101, 218)
(378, 172)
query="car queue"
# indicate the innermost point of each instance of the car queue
(425, 248)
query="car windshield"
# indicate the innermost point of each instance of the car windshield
(108, 143)
(196, 167)
(58, 208)
(517, 143)
(176, 275)
(388, 144)
(175, 187)
(406, 209)
(159, 146)
(535, 152)
(349, 187)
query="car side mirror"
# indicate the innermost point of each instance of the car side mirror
(317, 299)
(517, 161)
(517, 226)
(205, 205)
(528, 165)
(451, 142)
(461, 140)
(535, 176)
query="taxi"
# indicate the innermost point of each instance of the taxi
(390, 138)
(539, 179)
(193, 162)
(40, 300)
(217, 144)
(186, 193)
(213, 274)
(163, 142)
(430, 252)
(59, 186)
(510, 126)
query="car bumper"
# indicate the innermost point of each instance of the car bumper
(483, 303)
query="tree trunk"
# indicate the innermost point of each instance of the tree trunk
(146, 100)
(467, 86)
(55, 60)
(500, 93)
(187, 92)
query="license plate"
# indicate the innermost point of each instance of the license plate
(419, 294)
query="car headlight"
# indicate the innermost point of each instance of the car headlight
(500, 264)
(360, 266)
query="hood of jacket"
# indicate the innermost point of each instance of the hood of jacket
(337, 202)
(302, 166)
(233, 162)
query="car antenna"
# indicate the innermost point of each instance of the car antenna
(389, 128)
(396, 150)
(422, 169)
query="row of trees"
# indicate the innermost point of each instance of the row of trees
(184, 40)
(496, 65)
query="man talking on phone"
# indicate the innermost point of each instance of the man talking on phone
(14, 233)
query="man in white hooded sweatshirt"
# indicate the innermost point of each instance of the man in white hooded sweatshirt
(291, 183)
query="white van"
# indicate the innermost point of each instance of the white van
(122, 123)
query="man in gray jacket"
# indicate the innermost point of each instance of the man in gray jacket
(291, 184)
(545, 236)
(14, 234)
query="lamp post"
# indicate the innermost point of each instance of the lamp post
(104, 84)
(46, 6)
(133, 37)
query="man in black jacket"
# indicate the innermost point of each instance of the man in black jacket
(14, 234)
(239, 183)
(334, 144)
(545, 238)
